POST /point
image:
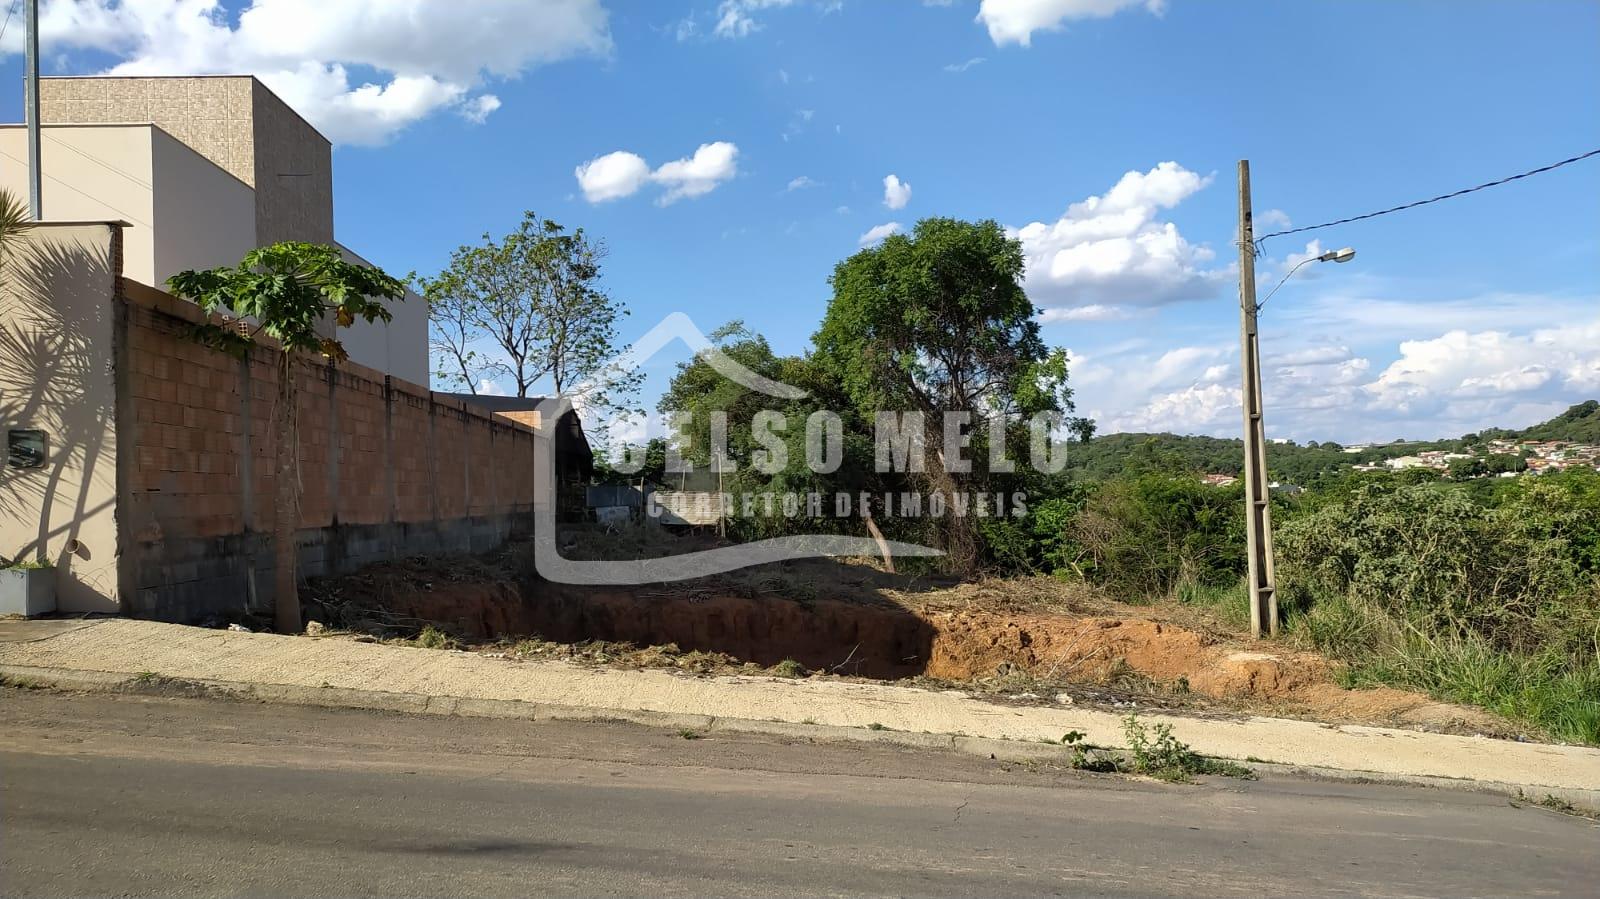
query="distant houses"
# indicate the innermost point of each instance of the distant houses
(1539, 456)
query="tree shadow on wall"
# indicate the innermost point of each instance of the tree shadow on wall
(56, 314)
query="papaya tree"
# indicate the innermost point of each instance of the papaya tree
(298, 294)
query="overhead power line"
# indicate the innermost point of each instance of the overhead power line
(9, 13)
(1261, 241)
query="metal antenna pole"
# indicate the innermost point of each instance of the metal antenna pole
(35, 179)
(1258, 509)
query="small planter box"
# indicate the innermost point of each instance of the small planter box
(27, 591)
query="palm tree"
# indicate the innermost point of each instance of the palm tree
(15, 220)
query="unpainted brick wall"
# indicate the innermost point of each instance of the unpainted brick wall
(386, 467)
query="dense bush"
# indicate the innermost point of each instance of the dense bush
(1435, 558)
(1150, 534)
(1485, 597)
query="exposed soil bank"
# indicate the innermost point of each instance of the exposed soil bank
(879, 641)
(885, 640)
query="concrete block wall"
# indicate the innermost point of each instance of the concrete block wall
(386, 468)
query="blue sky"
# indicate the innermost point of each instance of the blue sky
(1483, 310)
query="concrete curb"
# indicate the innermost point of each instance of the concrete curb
(1586, 800)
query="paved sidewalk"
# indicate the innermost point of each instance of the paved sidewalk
(115, 652)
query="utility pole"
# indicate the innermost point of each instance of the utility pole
(1257, 507)
(35, 176)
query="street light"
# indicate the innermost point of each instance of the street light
(1344, 255)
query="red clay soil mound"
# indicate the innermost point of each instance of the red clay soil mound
(974, 644)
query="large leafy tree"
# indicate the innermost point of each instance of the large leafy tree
(934, 322)
(298, 294)
(528, 307)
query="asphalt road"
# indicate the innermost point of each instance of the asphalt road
(139, 795)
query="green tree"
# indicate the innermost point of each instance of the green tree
(528, 307)
(292, 290)
(937, 321)
(1499, 463)
(698, 390)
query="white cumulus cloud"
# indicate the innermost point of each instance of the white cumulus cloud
(359, 70)
(896, 193)
(612, 176)
(879, 232)
(1436, 375)
(1111, 249)
(621, 173)
(699, 174)
(1015, 21)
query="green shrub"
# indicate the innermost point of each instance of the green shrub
(1485, 597)
(433, 638)
(789, 668)
(1155, 752)
(1040, 541)
(1149, 534)
(1438, 560)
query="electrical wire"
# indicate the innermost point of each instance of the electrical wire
(9, 13)
(1261, 241)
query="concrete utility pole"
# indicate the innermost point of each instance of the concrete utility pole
(35, 176)
(1263, 590)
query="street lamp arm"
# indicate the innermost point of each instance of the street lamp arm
(1285, 281)
(1344, 255)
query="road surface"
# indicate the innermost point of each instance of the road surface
(154, 795)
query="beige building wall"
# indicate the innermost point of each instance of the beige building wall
(400, 347)
(57, 306)
(232, 120)
(183, 212)
(91, 174)
(204, 217)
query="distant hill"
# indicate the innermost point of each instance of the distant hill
(1304, 464)
(1579, 424)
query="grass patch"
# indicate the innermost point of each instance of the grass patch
(789, 668)
(1228, 605)
(433, 638)
(1555, 804)
(690, 734)
(20, 683)
(1553, 692)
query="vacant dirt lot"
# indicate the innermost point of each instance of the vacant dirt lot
(1031, 639)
